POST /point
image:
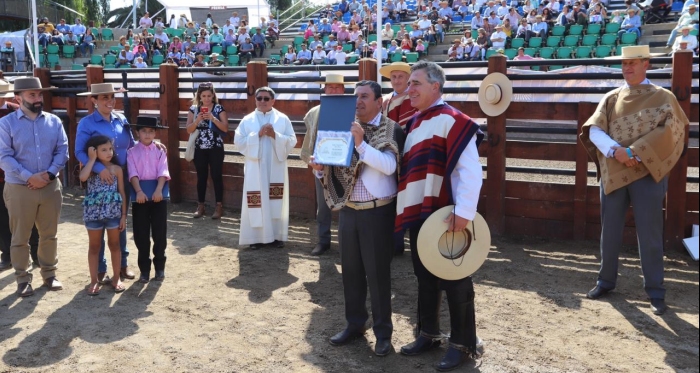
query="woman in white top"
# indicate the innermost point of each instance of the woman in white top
(527, 7)
(290, 56)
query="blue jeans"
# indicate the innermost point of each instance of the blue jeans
(89, 46)
(672, 37)
(633, 29)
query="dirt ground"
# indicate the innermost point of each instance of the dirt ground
(225, 309)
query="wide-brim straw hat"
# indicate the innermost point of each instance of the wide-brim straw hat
(688, 27)
(634, 52)
(143, 121)
(495, 94)
(97, 89)
(28, 84)
(6, 90)
(453, 255)
(335, 79)
(395, 66)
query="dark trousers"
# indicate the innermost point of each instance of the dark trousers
(206, 161)
(6, 234)
(366, 250)
(460, 300)
(150, 220)
(647, 199)
(323, 216)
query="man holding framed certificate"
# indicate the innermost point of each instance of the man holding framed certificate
(365, 194)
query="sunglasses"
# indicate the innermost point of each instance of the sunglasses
(263, 98)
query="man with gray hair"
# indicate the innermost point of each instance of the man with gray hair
(447, 140)
(365, 194)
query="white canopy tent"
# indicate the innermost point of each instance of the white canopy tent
(255, 9)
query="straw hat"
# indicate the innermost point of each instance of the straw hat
(97, 89)
(453, 255)
(28, 84)
(335, 79)
(634, 52)
(6, 90)
(395, 66)
(147, 122)
(495, 93)
(688, 27)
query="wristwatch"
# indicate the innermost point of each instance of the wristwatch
(52, 177)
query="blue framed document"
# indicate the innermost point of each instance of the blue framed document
(334, 141)
(148, 187)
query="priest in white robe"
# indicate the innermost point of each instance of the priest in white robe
(265, 137)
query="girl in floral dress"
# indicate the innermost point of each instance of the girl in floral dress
(104, 207)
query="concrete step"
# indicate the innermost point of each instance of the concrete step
(668, 26)
(653, 40)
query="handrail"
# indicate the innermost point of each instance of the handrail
(303, 9)
(28, 52)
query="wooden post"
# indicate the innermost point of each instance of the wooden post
(496, 160)
(368, 70)
(45, 76)
(169, 111)
(257, 77)
(135, 105)
(94, 74)
(674, 227)
(585, 110)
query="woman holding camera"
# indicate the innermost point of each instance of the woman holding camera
(210, 119)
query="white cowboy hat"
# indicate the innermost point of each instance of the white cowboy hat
(396, 66)
(97, 89)
(6, 90)
(453, 255)
(634, 52)
(495, 93)
(335, 79)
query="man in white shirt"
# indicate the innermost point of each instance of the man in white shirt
(686, 19)
(503, 10)
(145, 21)
(162, 36)
(498, 38)
(366, 200)
(691, 41)
(424, 23)
(402, 10)
(235, 20)
(319, 55)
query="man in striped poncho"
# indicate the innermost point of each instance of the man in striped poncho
(440, 166)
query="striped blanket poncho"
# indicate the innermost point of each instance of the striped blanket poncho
(436, 139)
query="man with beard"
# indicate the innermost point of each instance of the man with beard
(33, 149)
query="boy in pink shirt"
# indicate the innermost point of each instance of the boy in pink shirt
(149, 176)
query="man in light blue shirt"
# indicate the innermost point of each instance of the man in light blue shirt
(78, 28)
(33, 150)
(258, 41)
(630, 24)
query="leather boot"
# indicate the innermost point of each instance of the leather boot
(454, 358)
(218, 212)
(463, 332)
(200, 211)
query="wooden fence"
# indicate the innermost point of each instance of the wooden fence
(563, 211)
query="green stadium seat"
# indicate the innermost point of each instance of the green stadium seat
(531, 51)
(53, 59)
(157, 60)
(608, 39)
(353, 58)
(409, 28)
(233, 60)
(546, 52)
(232, 49)
(583, 52)
(396, 57)
(612, 28)
(570, 40)
(475, 34)
(558, 30)
(125, 66)
(284, 50)
(107, 33)
(110, 61)
(178, 32)
(490, 52)
(593, 29)
(275, 59)
(52, 49)
(217, 49)
(535, 43)
(555, 67)
(510, 53)
(553, 41)
(411, 57)
(564, 53)
(694, 32)
(576, 30)
(347, 47)
(371, 38)
(116, 49)
(96, 59)
(628, 38)
(68, 51)
(77, 66)
(589, 40)
(517, 43)
(603, 51)
(298, 40)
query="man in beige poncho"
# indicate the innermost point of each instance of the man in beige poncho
(635, 138)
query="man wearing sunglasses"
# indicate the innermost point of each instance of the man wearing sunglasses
(265, 137)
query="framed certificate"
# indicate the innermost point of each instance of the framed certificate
(334, 141)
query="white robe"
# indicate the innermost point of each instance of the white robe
(265, 163)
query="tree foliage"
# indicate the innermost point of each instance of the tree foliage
(117, 16)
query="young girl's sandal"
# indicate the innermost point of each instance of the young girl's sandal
(94, 289)
(119, 288)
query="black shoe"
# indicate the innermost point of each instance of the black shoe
(453, 359)
(658, 306)
(597, 292)
(320, 249)
(4, 266)
(25, 289)
(420, 345)
(346, 336)
(382, 347)
(276, 244)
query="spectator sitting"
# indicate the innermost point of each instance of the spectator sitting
(242, 35)
(424, 23)
(158, 48)
(48, 26)
(141, 52)
(393, 47)
(187, 43)
(246, 51)
(343, 35)
(401, 9)
(683, 46)
(230, 39)
(445, 14)
(376, 52)
(690, 41)
(190, 29)
(686, 19)
(140, 63)
(174, 54)
(125, 57)
(502, 10)
(406, 44)
(272, 33)
(324, 28)
(482, 41)
(471, 51)
(532, 17)
(524, 57)
(303, 56)
(200, 61)
(513, 16)
(598, 14)
(498, 38)
(316, 42)
(158, 23)
(235, 20)
(202, 47)
(631, 24)
(456, 51)
(616, 18)
(189, 56)
(258, 41)
(539, 28)
(62, 27)
(215, 38)
(214, 60)
(630, 5)
(290, 56)
(162, 36)
(177, 44)
(331, 44)
(319, 55)
(415, 34)
(491, 22)
(88, 43)
(70, 38)
(79, 29)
